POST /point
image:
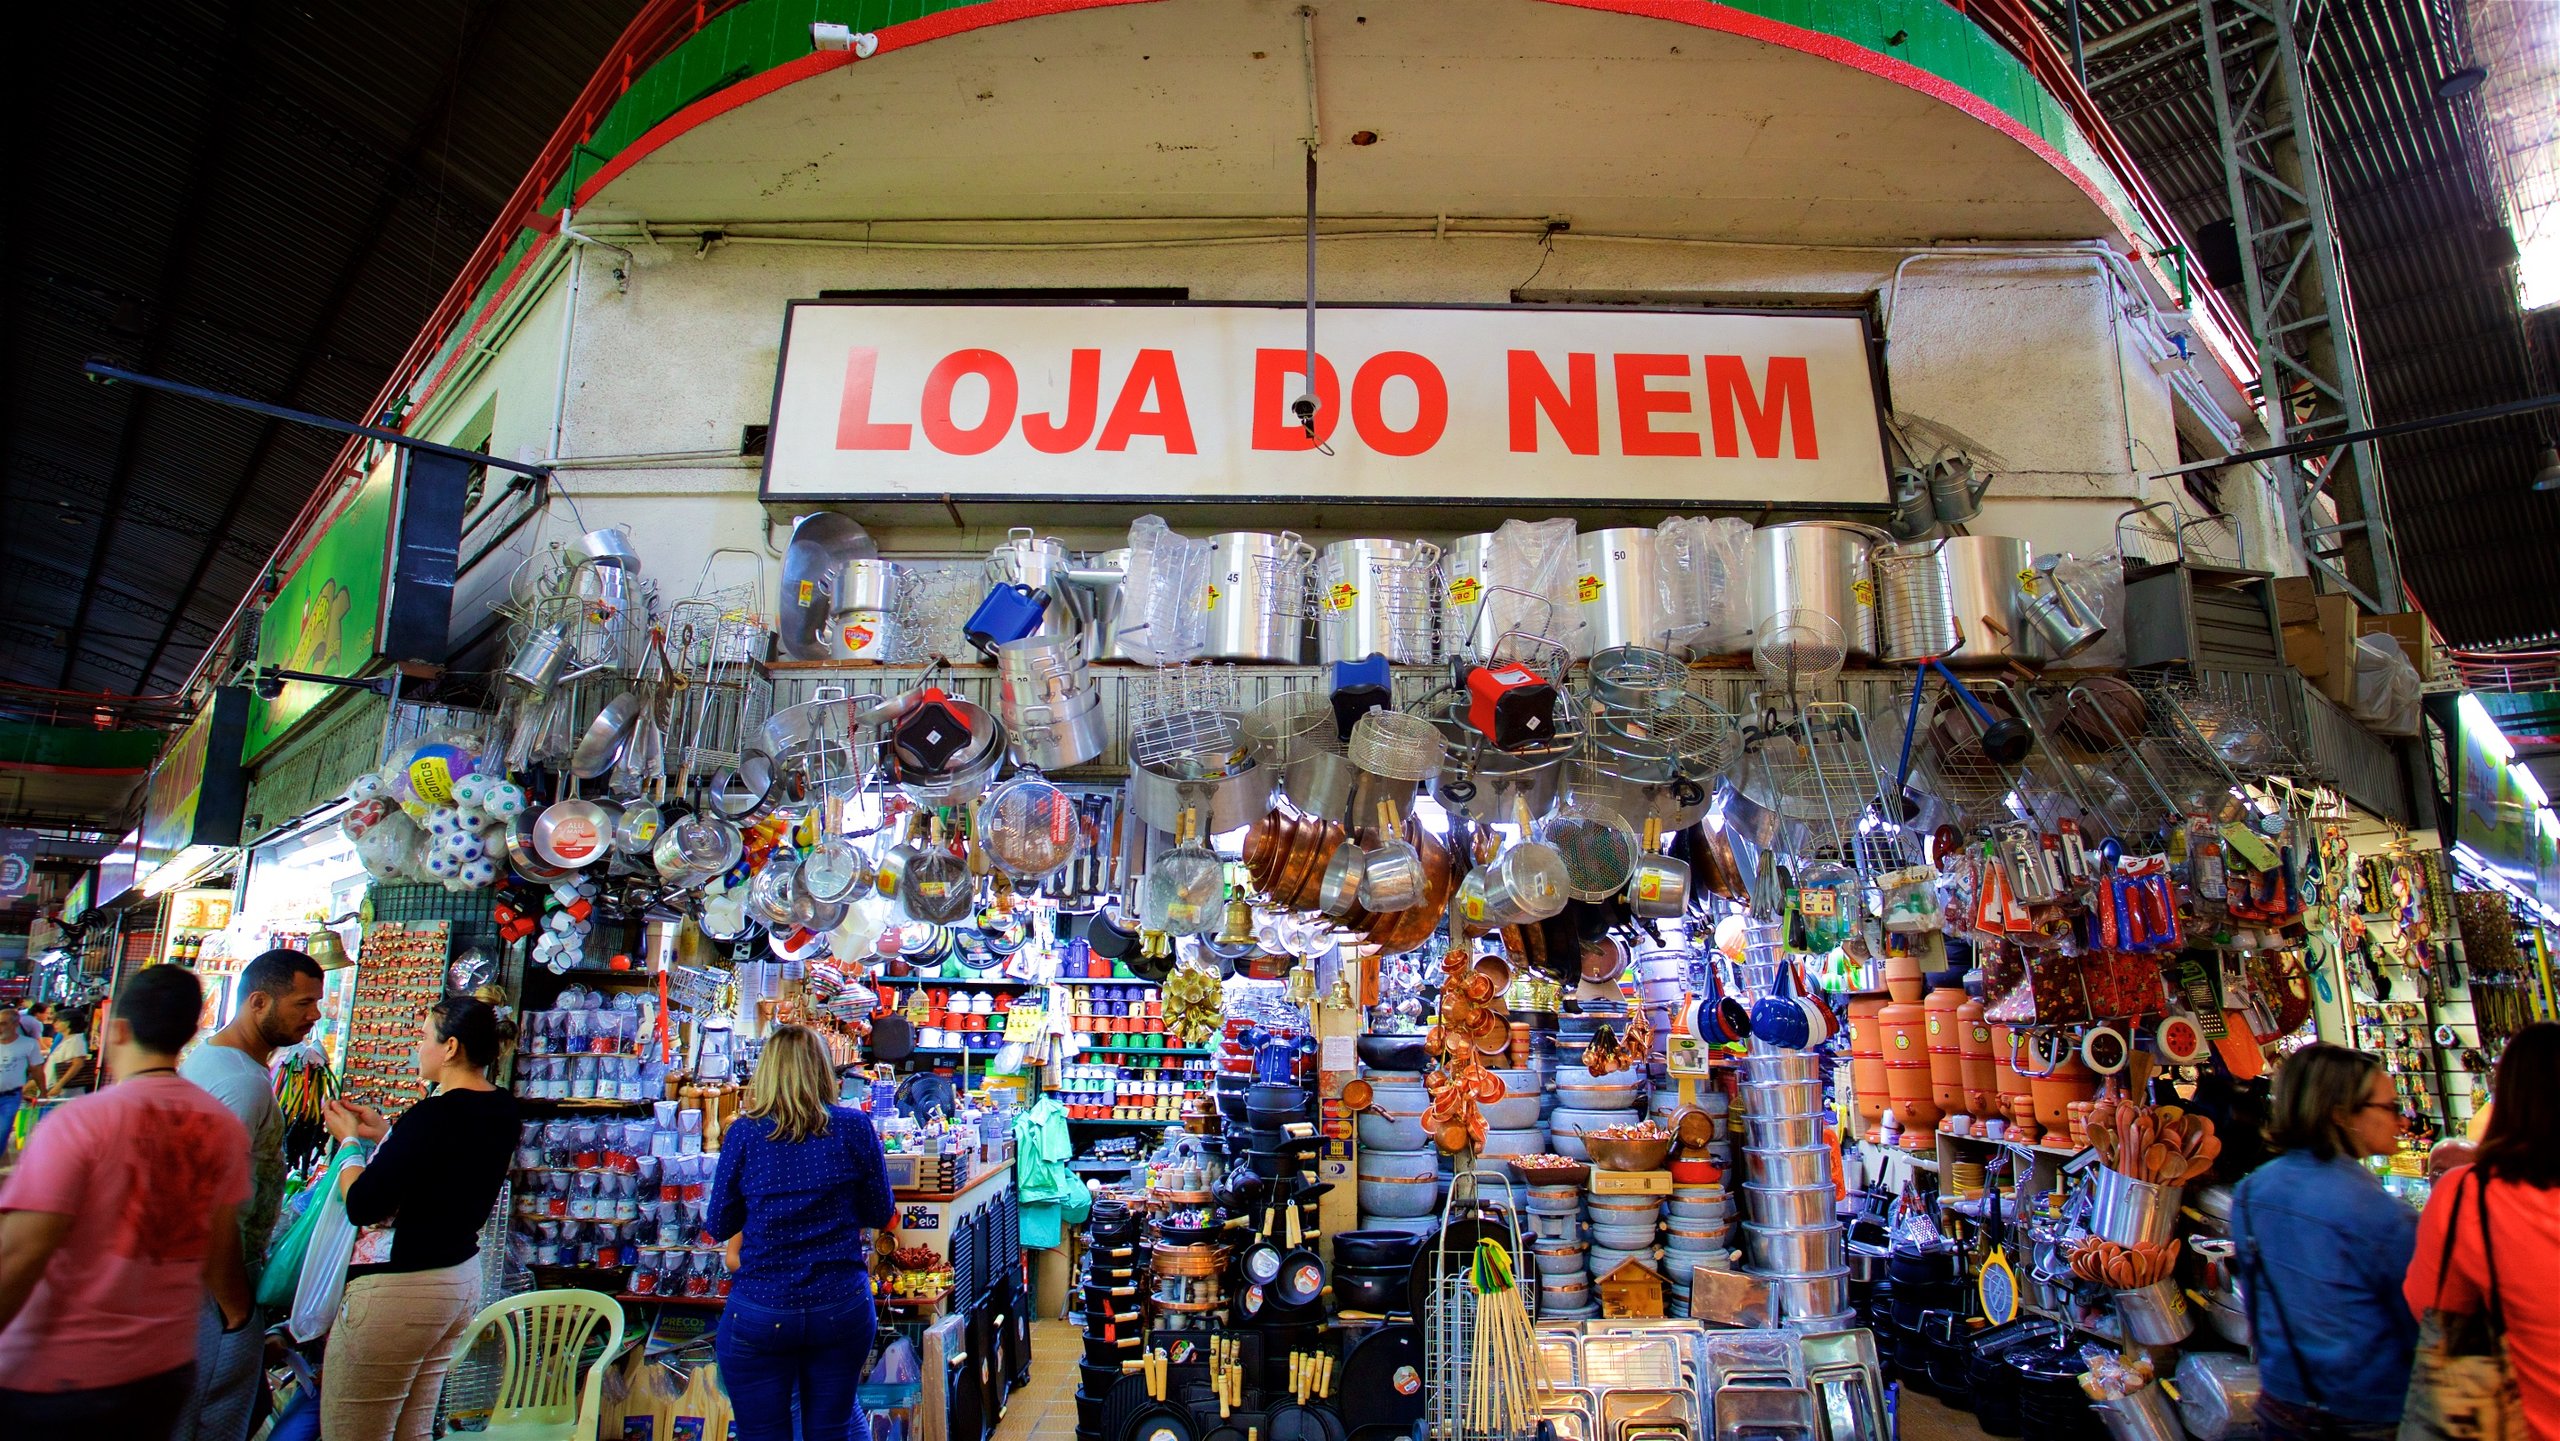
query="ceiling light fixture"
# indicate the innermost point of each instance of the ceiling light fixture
(2548, 477)
(2459, 83)
(826, 35)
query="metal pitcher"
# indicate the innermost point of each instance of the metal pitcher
(2062, 622)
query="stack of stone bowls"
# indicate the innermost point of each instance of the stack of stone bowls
(1792, 1237)
(1399, 1167)
(1585, 1102)
(1553, 1215)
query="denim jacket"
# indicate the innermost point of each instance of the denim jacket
(2323, 1249)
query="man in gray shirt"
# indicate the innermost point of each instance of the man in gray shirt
(279, 1003)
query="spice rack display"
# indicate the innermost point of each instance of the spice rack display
(401, 975)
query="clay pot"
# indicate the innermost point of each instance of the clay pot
(1906, 1065)
(1946, 1051)
(1973, 1040)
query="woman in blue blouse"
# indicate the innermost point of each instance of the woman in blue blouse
(801, 1185)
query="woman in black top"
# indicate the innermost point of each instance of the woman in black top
(432, 1180)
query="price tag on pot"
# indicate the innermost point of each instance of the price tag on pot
(1343, 595)
(1587, 589)
(1465, 590)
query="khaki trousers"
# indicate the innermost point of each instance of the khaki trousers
(395, 1335)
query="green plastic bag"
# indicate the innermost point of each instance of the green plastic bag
(283, 1271)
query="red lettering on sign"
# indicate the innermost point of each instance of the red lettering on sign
(1003, 393)
(1788, 397)
(1431, 403)
(1637, 406)
(855, 430)
(1084, 391)
(1574, 413)
(1153, 374)
(1275, 426)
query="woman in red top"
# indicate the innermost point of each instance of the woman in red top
(2519, 1162)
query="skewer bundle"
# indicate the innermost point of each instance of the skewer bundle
(1502, 1394)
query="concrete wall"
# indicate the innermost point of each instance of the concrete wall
(2032, 357)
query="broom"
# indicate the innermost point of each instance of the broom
(1503, 1396)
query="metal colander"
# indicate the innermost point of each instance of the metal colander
(1031, 827)
(1800, 649)
(1398, 745)
(1288, 727)
(1598, 848)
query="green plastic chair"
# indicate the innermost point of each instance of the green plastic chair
(545, 1335)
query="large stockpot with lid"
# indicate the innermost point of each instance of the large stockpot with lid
(1620, 598)
(1376, 597)
(1817, 565)
(1257, 597)
(1038, 563)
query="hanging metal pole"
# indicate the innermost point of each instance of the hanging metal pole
(1306, 405)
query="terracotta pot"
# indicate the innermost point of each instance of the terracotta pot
(1946, 1051)
(2070, 1081)
(1866, 1059)
(1906, 1063)
(1981, 1080)
(1903, 978)
(2012, 1086)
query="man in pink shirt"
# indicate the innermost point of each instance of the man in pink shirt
(121, 1217)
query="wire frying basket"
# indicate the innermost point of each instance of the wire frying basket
(1817, 771)
(1597, 845)
(716, 637)
(1182, 721)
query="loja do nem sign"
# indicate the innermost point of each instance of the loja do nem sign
(1192, 402)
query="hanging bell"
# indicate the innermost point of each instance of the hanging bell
(1238, 930)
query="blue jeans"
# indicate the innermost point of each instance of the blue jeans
(778, 1359)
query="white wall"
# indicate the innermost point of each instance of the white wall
(2031, 357)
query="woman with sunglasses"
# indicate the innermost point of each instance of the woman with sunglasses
(2323, 1248)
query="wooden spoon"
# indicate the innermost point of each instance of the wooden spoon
(2155, 1162)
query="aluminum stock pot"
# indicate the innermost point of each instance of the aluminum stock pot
(1257, 596)
(1096, 586)
(1818, 565)
(1464, 599)
(1376, 597)
(1968, 588)
(1621, 599)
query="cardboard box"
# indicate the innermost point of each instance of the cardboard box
(2410, 629)
(1630, 1183)
(2325, 652)
(2296, 598)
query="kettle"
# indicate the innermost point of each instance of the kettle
(1915, 515)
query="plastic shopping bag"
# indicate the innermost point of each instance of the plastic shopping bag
(281, 1276)
(324, 1266)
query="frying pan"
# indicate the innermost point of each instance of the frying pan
(1262, 1262)
(1382, 1371)
(1311, 1422)
(1457, 1240)
(1302, 1271)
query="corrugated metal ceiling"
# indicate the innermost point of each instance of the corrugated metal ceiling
(2428, 267)
(262, 197)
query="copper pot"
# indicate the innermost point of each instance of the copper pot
(1402, 931)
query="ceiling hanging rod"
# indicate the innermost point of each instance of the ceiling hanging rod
(2371, 432)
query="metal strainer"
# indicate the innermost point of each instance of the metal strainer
(1598, 848)
(1800, 649)
(1397, 745)
(937, 886)
(1031, 826)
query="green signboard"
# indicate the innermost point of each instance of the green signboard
(325, 619)
(2499, 820)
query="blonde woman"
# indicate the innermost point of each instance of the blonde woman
(2323, 1249)
(801, 1183)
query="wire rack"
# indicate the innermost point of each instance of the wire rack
(1449, 1325)
(1182, 721)
(1947, 755)
(1670, 735)
(1816, 769)
(2163, 767)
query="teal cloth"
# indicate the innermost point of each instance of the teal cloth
(1052, 1197)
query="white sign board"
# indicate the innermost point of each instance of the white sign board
(1192, 402)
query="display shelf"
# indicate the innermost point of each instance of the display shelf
(579, 1103)
(1104, 981)
(1153, 1050)
(1124, 1121)
(961, 982)
(653, 1299)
